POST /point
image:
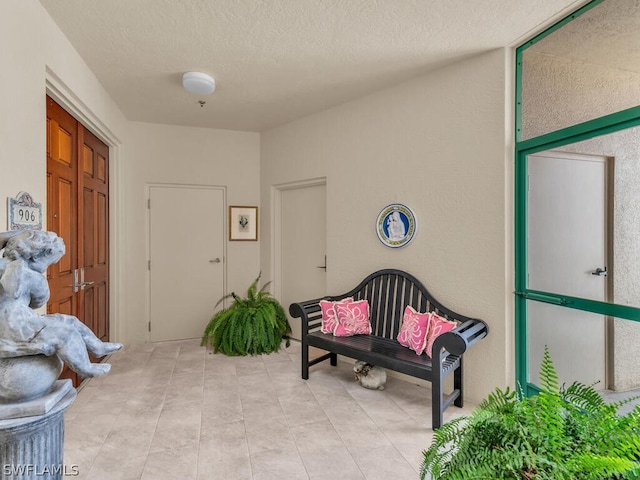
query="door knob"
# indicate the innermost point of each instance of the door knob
(600, 272)
(215, 260)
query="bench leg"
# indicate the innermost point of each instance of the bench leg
(334, 359)
(457, 385)
(305, 361)
(436, 402)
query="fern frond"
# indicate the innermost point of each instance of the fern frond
(560, 434)
(249, 326)
(223, 299)
(583, 396)
(265, 286)
(599, 467)
(438, 455)
(548, 375)
(208, 338)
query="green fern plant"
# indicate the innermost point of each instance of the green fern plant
(249, 326)
(561, 433)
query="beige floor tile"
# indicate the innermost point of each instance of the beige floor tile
(173, 410)
(179, 463)
(80, 453)
(269, 433)
(382, 463)
(128, 440)
(175, 436)
(224, 453)
(330, 464)
(232, 466)
(128, 467)
(278, 464)
(301, 408)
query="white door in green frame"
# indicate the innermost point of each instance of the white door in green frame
(568, 255)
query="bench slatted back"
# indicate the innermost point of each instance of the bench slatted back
(388, 293)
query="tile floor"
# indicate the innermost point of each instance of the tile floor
(173, 411)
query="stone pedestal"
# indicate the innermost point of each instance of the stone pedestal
(32, 447)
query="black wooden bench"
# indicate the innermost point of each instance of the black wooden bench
(388, 293)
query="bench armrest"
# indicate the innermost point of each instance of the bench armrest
(462, 337)
(300, 309)
(308, 311)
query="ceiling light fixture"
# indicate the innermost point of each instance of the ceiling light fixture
(199, 83)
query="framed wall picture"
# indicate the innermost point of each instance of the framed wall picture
(243, 223)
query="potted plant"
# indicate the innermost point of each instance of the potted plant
(250, 326)
(561, 433)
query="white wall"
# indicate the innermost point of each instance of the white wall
(437, 144)
(37, 58)
(188, 156)
(32, 44)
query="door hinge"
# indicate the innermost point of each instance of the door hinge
(149, 326)
(148, 203)
(149, 265)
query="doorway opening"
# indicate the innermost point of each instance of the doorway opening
(299, 243)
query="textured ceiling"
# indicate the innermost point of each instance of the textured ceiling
(278, 60)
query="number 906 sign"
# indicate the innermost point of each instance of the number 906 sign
(24, 213)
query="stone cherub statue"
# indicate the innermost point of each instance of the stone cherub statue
(23, 288)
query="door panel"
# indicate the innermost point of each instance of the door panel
(77, 210)
(94, 266)
(567, 225)
(304, 247)
(187, 264)
(62, 205)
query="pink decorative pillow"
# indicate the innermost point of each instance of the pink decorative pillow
(438, 326)
(414, 329)
(329, 316)
(353, 319)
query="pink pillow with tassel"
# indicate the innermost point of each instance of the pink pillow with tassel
(353, 319)
(438, 326)
(329, 316)
(414, 329)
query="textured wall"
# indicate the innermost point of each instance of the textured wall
(36, 52)
(558, 92)
(186, 156)
(561, 92)
(437, 144)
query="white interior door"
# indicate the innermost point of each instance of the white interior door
(187, 259)
(303, 246)
(567, 243)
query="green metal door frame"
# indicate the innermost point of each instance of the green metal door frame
(593, 128)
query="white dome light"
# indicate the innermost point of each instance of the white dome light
(199, 83)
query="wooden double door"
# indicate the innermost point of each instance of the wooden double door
(78, 211)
